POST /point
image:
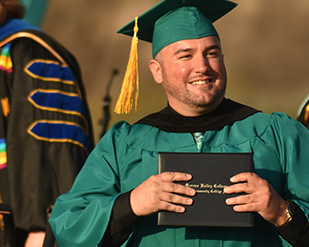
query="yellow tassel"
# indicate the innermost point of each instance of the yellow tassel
(125, 100)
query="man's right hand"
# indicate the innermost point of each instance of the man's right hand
(159, 192)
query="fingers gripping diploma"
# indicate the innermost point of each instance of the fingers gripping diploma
(160, 192)
(259, 197)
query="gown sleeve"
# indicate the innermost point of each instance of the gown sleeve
(121, 222)
(82, 216)
(292, 138)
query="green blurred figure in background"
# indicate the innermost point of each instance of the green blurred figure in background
(35, 11)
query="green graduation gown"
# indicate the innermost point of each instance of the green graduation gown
(128, 154)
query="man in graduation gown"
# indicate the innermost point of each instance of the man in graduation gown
(116, 197)
(45, 127)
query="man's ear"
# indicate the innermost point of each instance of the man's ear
(156, 70)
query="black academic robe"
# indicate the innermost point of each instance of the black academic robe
(45, 127)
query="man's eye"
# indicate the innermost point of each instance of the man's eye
(213, 54)
(187, 56)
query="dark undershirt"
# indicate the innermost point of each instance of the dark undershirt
(123, 219)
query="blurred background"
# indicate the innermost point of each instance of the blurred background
(265, 43)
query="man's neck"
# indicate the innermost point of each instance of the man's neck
(188, 111)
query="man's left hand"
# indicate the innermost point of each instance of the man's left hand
(259, 197)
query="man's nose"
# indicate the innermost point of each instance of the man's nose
(201, 64)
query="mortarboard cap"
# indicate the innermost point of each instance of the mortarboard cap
(174, 20)
(167, 22)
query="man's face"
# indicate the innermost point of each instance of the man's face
(193, 75)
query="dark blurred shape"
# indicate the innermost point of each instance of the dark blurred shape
(7, 233)
(106, 104)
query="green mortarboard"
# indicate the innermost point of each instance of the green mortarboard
(174, 20)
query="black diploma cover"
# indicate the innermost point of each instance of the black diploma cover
(210, 175)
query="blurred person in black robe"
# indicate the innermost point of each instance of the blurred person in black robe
(45, 127)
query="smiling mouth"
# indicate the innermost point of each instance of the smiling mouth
(202, 82)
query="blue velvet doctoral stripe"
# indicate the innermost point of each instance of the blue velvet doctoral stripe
(50, 71)
(59, 101)
(60, 132)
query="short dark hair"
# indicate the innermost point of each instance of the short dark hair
(11, 9)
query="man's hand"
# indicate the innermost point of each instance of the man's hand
(260, 197)
(159, 192)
